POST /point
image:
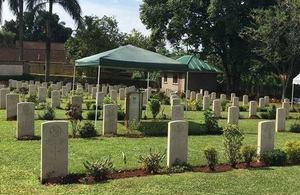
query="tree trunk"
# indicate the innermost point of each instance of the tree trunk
(48, 42)
(21, 35)
(284, 86)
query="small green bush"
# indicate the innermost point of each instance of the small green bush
(274, 158)
(33, 99)
(194, 105)
(224, 104)
(47, 114)
(233, 138)
(121, 115)
(49, 92)
(154, 106)
(295, 128)
(270, 114)
(92, 114)
(87, 130)
(108, 100)
(88, 104)
(152, 161)
(292, 149)
(75, 116)
(243, 108)
(211, 124)
(161, 96)
(211, 156)
(99, 170)
(248, 153)
(179, 167)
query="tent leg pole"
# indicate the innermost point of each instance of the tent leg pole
(292, 100)
(148, 84)
(98, 85)
(74, 75)
(186, 90)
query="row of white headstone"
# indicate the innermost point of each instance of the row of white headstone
(54, 145)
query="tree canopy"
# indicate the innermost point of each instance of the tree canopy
(208, 27)
(35, 27)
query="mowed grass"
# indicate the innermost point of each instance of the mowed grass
(20, 164)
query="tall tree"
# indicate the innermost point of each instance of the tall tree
(209, 27)
(17, 7)
(34, 27)
(275, 36)
(70, 6)
(94, 36)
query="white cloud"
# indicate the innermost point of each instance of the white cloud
(127, 15)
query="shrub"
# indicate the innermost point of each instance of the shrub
(88, 104)
(134, 125)
(100, 169)
(94, 107)
(33, 99)
(248, 153)
(161, 96)
(292, 149)
(152, 161)
(75, 116)
(154, 106)
(179, 167)
(243, 108)
(121, 115)
(224, 104)
(262, 109)
(92, 114)
(49, 92)
(270, 114)
(47, 114)
(108, 100)
(233, 138)
(87, 130)
(23, 90)
(194, 105)
(211, 124)
(274, 158)
(295, 128)
(211, 156)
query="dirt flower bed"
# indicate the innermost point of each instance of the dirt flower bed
(84, 179)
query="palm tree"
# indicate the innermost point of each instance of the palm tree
(70, 6)
(17, 7)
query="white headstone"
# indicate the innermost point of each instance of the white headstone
(177, 142)
(54, 150)
(3, 93)
(55, 99)
(265, 142)
(233, 115)
(42, 94)
(245, 100)
(25, 119)
(110, 119)
(280, 119)
(252, 109)
(217, 108)
(11, 106)
(177, 112)
(206, 102)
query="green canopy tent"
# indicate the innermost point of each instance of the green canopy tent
(196, 65)
(128, 57)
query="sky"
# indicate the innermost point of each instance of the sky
(126, 13)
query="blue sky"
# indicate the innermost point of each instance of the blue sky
(125, 11)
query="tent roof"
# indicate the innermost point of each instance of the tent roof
(131, 57)
(197, 65)
(296, 80)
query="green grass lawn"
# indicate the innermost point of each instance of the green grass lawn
(20, 164)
